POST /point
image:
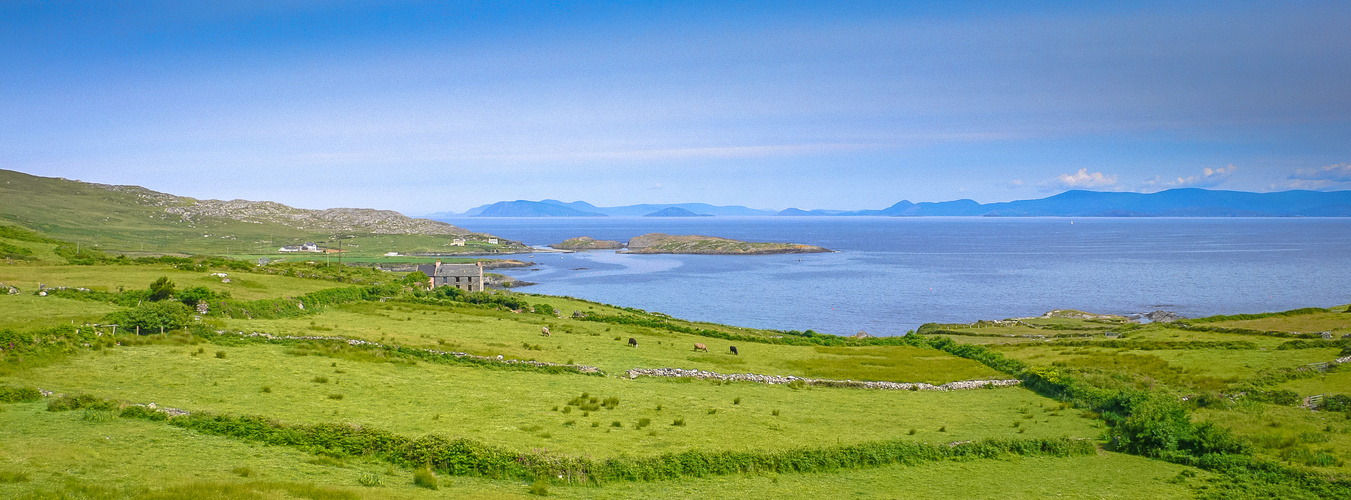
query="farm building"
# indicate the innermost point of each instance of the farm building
(467, 277)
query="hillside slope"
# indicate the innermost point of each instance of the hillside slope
(135, 218)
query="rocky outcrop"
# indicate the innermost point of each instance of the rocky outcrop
(788, 379)
(1162, 316)
(655, 243)
(587, 243)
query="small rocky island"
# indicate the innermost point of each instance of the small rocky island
(710, 245)
(587, 243)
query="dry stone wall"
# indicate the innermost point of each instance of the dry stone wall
(786, 379)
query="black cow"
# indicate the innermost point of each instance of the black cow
(633, 342)
(734, 350)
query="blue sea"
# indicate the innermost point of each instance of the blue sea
(890, 275)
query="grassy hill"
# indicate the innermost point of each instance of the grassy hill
(137, 220)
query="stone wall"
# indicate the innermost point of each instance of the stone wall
(786, 379)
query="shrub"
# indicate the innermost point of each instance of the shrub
(679, 422)
(736, 400)
(267, 388)
(1336, 402)
(150, 317)
(335, 396)
(595, 424)
(83, 401)
(243, 471)
(319, 380)
(99, 415)
(797, 384)
(943, 429)
(220, 354)
(712, 411)
(540, 487)
(912, 432)
(616, 424)
(425, 478)
(371, 480)
(775, 413)
(644, 422)
(18, 394)
(161, 289)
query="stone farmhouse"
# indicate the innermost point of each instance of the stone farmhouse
(467, 277)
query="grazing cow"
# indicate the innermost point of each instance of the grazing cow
(633, 342)
(700, 347)
(734, 350)
(546, 331)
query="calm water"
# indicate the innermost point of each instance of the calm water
(893, 274)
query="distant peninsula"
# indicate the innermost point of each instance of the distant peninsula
(675, 212)
(587, 243)
(657, 243)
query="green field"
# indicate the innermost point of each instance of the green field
(108, 448)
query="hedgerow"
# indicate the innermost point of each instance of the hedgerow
(1155, 424)
(467, 457)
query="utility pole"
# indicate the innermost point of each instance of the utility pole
(339, 258)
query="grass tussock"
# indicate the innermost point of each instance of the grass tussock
(425, 478)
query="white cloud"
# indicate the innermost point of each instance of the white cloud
(1335, 173)
(1210, 177)
(1080, 180)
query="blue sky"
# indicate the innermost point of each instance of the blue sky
(423, 107)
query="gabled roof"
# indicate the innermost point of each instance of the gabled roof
(433, 270)
(458, 270)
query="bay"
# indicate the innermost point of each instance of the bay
(890, 275)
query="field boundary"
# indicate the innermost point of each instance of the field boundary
(270, 338)
(789, 379)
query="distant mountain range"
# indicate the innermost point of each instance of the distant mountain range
(1188, 202)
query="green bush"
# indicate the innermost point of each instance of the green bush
(18, 394)
(83, 401)
(99, 415)
(540, 487)
(151, 317)
(192, 296)
(1336, 402)
(371, 480)
(161, 289)
(425, 478)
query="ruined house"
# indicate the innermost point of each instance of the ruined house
(467, 277)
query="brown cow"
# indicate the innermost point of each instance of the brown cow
(700, 347)
(633, 342)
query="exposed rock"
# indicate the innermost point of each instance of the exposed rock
(1162, 316)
